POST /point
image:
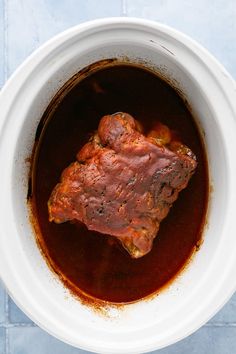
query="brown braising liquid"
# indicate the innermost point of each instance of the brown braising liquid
(90, 262)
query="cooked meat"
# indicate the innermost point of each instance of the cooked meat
(123, 182)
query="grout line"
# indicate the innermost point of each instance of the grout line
(6, 313)
(13, 325)
(24, 324)
(6, 341)
(5, 29)
(6, 307)
(124, 8)
(6, 297)
(7, 324)
(220, 324)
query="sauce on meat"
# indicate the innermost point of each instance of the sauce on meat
(86, 261)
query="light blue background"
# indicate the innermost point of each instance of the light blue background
(24, 25)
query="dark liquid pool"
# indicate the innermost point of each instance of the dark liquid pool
(91, 262)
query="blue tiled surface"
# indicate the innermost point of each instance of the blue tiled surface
(210, 22)
(33, 340)
(32, 22)
(15, 315)
(216, 340)
(227, 315)
(24, 25)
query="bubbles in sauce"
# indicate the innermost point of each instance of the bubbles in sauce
(90, 262)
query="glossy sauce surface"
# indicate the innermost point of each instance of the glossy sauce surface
(88, 261)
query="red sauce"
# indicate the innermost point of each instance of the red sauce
(87, 260)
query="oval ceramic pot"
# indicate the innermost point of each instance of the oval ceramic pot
(209, 280)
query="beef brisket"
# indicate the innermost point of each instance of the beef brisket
(123, 182)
